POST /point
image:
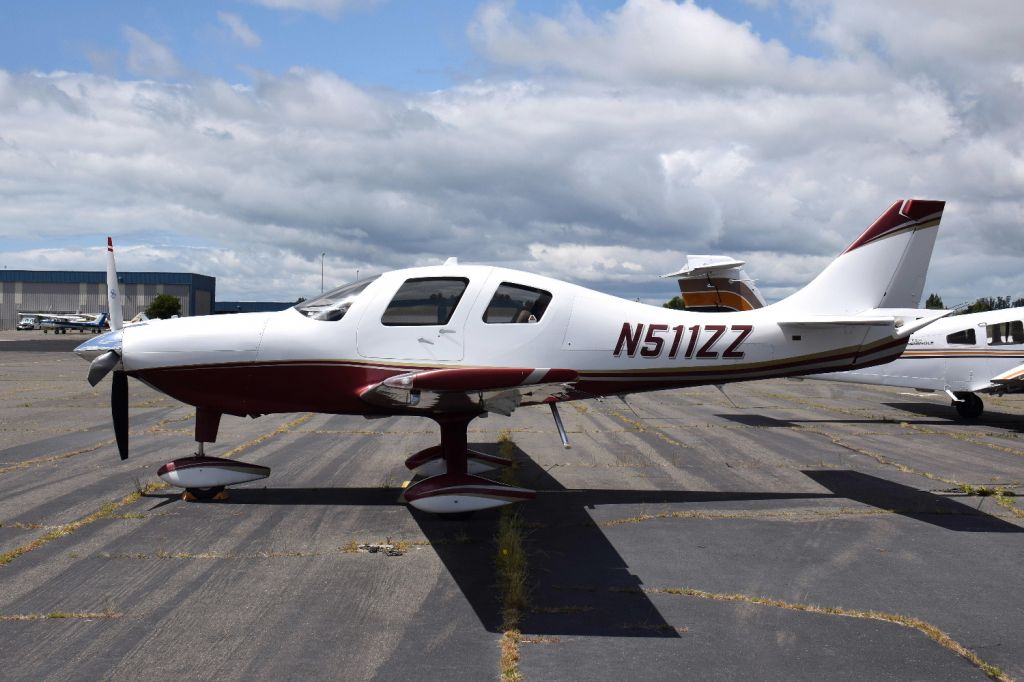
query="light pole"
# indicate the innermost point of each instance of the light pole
(322, 271)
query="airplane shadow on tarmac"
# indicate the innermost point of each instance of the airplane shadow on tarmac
(944, 414)
(770, 422)
(579, 583)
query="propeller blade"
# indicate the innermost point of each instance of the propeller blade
(102, 365)
(119, 411)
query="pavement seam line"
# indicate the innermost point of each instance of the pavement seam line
(880, 458)
(965, 437)
(644, 428)
(61, 615)
(511, 567)
(68, 528)
(55, 458)
(791, 515)
(45, 459)
(934, 633)
(111, 507)
(283, 428)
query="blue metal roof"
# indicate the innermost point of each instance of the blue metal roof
(73, 276)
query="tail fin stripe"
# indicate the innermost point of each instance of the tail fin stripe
(901, 216)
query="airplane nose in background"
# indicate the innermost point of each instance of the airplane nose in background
(99, 345)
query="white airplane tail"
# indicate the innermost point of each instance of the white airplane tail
(883, 268)
(113, 294)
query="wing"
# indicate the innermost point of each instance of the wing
(1012, 380)
(460, 389)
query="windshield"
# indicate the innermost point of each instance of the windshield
(335, 303)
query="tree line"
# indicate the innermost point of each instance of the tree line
(981, 305)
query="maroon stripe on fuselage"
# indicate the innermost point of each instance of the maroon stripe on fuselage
(770, 366)
(588, 387)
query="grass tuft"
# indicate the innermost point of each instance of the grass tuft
(511, 565)
(106, 614)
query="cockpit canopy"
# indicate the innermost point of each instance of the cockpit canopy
(333, 305)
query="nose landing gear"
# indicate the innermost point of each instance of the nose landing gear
(202, 477)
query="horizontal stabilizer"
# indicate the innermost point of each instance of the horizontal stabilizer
(1011, 378)
(904, 321)
(699, 266)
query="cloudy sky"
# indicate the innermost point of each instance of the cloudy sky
(598, 141)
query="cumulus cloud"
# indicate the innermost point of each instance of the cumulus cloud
(564, 167)
(239, 29)
(147, 57)
(654, 42)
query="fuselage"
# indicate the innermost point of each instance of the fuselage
(475, 316)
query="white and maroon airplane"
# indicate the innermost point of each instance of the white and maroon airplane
(455, 342)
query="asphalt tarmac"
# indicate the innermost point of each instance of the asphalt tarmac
(786, 530)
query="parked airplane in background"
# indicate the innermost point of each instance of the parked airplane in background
(83, 322)
(961, 356)
(456, 342)
(716, 284)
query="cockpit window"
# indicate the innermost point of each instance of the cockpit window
(514, 303)
(333, 305)
(425, 301)
(1005, 333)
(965, 337)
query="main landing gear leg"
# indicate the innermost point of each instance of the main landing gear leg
(456, 490)
(202, 477)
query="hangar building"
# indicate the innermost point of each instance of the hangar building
(66, 291)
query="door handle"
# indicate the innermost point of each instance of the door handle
(423, 340)
(446, 331)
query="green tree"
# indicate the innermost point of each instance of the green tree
(164, 306)
(934, 302)
(986, 303)
(675, 303)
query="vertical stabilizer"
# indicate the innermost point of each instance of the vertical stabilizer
(113, 293)
(883, 268)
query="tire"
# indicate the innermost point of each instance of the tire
(971, 406)
(205, 493)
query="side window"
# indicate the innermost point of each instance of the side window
(515, 303)
(966, 337)
(1005, 333)
(425, 301)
